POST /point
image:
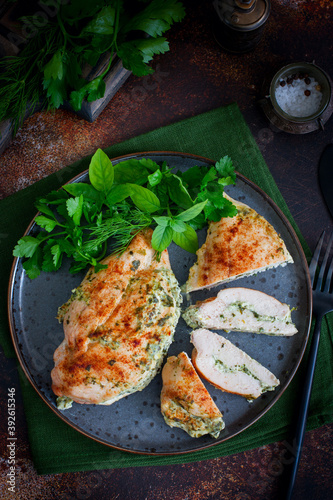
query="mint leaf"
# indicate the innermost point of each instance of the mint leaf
(161, 238)
(144, 199)
(46, 223)
(101, 172)
(188, 239)
(26, 246)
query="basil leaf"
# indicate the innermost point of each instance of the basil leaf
(144, 199)
(192, 212)
(155, 178)
(178, 192)
(162, 221)
(101, 172)
(193, 176)
(188, 239)
(134, 171)
(177, 225)
(161, 238)
(87, 190)
(118, 193)
(161, 191)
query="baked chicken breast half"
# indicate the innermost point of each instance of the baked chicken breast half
(229, 368)
(185, 402)
(242, 310)
(118, 326)
(235, 247)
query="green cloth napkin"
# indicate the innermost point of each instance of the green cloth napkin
(56, 447)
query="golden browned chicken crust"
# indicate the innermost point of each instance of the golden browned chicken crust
(235, 246)
(118, 326)
(185, 402)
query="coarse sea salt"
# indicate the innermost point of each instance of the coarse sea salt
(299, 97)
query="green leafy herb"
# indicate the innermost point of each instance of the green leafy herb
(49, 70)
(81, 219)
(101, 172)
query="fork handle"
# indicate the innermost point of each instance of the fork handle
(303, 408)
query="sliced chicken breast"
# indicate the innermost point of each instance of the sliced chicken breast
(185, 402)
(229, 368)
(237, 246)
(118, 327)
(242, 310)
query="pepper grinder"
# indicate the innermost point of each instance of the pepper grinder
(238, 24)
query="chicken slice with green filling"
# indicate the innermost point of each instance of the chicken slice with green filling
(118, 326)
(185, 402)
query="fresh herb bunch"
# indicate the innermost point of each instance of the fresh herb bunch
(121, 200)
(49, 69)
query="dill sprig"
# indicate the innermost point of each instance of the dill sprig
(120, 228)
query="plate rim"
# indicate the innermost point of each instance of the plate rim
(254, 419)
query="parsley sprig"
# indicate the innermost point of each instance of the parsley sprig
(81, 219)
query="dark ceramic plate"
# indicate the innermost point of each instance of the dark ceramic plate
(135, 422)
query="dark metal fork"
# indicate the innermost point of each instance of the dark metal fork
(322, 304)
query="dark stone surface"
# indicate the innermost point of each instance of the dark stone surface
(195, 76)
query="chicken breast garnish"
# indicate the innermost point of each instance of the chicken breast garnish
(229, 368)
(118, 326)
(185, 402)
(237, 246)
(243, 310)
